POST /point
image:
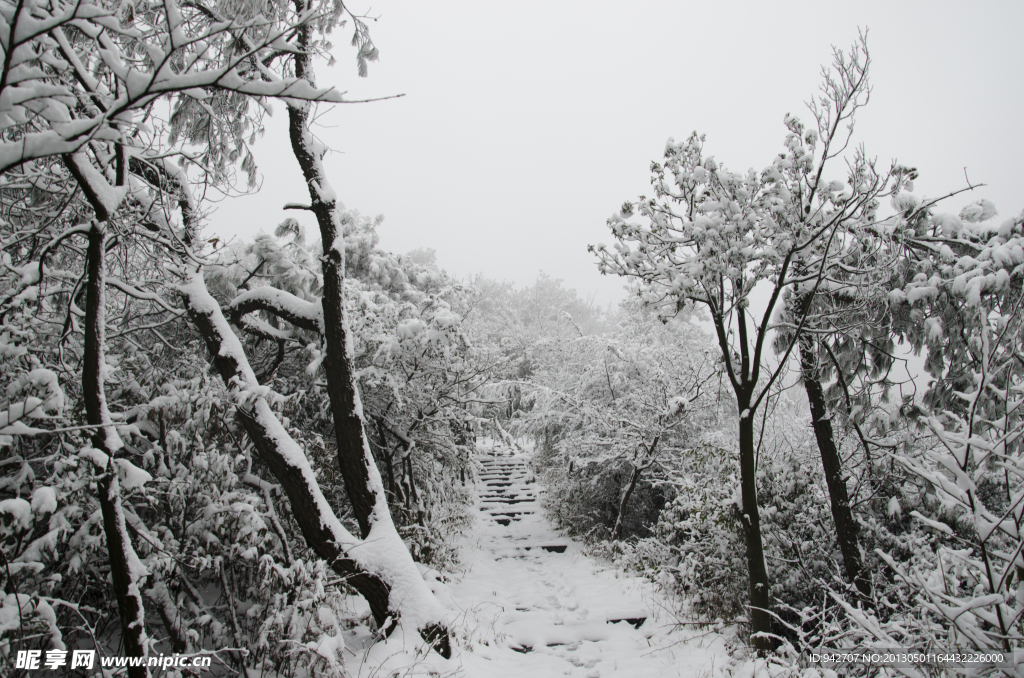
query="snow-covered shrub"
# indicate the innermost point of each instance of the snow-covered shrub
(696, 551)
(226, 567)
(701, 550)
(586, 500)
(609, 413)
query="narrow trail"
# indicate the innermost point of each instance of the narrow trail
(530, 603)
(535, 605)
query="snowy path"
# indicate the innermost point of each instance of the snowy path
(533, 604)
(530, 603)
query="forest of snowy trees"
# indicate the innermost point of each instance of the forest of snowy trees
(803, 423)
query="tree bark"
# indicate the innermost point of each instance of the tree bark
(760, 593)
(842, 515)
(304, 509)
(354, 458)
(304, 504)
(126, 572)
(393, 489)
(362, 479)
(634, 476)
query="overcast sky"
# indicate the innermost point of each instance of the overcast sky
(525, 125)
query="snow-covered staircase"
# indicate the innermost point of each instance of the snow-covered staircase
(507, 493)
(513, 527)
(529, 602)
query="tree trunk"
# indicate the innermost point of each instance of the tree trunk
(760, 619)
(126, 572)
(846, 526)
(306, 509)
(415, 506)
(387, 565)
(634, 476)
(362, 479)
(354, 458)
(389, 456)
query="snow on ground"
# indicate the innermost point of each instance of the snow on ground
(530, 603)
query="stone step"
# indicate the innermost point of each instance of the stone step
(525, 648)
(550, 548)
(636, 622)
(554, 548)
(504, 484)
(510, 495)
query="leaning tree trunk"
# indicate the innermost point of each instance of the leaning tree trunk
(842, 515)
(362, 479)
(379, 568)
(760, 592)
(634, 478)
(127, 573)
(360, 474)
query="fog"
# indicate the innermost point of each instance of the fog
(522, 127)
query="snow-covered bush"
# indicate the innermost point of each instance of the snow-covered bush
(609, 414)
(585, 501)
(697, 547)
(222, 563)
(218, 556)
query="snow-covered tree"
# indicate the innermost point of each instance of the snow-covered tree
(99, 102)
(412, 357)
(960, 284)
(735, 244)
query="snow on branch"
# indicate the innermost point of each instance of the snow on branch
(61, 89)
(380, 567)
(303, 314)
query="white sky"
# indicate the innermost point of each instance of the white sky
(526, 124)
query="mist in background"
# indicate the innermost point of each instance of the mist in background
(525, 125)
